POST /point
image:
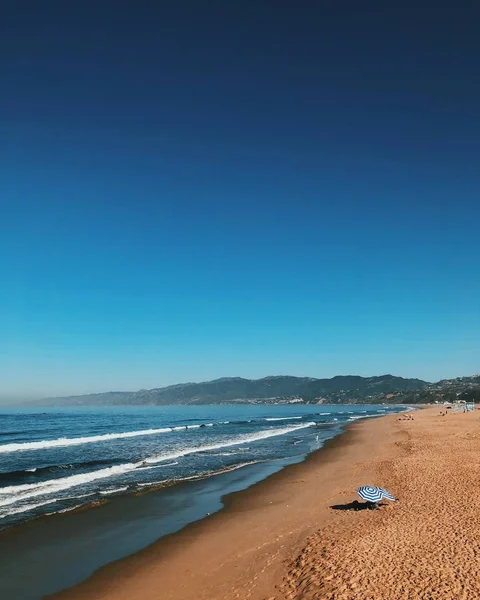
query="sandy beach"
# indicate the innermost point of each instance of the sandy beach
(290, 537)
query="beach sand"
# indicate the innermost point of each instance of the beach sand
(289, 537)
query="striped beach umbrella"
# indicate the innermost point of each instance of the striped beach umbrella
(374, 494)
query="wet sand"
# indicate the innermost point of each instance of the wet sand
(290, 537)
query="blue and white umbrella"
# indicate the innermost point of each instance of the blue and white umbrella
(371, 493)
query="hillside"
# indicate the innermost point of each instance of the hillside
(348, 388)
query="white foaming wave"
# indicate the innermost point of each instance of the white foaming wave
(231, 453)
(196, 426)
(224, 453)
(142, 485)
(114, 491)
(65, 442)
(242, 439)
(65, 510)
(157, 466)
(362, 417)
(185, 427)
(26, 508)
(281, 418)
(81, 496)
(15, 493)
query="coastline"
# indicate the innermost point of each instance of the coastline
(82, 538)
(289, 537)
(277, 524)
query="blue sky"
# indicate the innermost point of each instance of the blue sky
(193, 194)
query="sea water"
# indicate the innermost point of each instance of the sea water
(54, 461)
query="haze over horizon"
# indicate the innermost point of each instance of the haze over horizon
(197, 191)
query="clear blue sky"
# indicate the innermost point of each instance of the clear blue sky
(197, 190)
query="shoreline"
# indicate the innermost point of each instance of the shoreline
(292, 537)
(82, 539)
(265, 495)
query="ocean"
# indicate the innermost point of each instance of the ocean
(145, 471)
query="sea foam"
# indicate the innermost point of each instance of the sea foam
(65, 442)
(15, 493)
(241, 439)
(281, 418)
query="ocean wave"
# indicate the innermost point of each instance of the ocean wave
(186, 427)
(64, 442)
(15, 493)
(114, 491)
(37, 473)
(230, 453)
(198, 476)
(79, 441)
(141, 468)
(233, 453)
(241, 439)
(362, 417)
(66, 510)
(281, 418)
(26, 508)
(29, 507)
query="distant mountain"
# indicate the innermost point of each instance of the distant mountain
(458, 382)
(280, 388)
